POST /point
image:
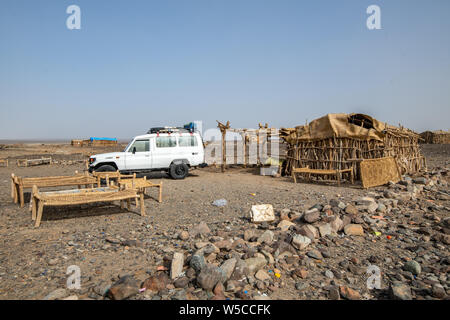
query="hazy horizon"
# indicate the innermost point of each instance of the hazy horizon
(139, 64)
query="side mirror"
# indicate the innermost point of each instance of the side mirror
(134, 150)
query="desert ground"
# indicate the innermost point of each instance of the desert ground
(402, 229)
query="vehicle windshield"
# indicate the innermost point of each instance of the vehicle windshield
(129, 144)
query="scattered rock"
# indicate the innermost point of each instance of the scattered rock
(177, 265)
(311, 216)
(400, 291)
(315, 254)
(438, 291)
(309, 231)
(126, 287)
(157, 282)
(209, 277)
(284, 225)
(254, 264)
(266, 237)
(262, 275)
(413, 267)
(351, 209)
(349, 293)
(56, 294)
(181, 282)
(300, 242)
(354, 230)
(197, 262)
(184, 235)
(325, 229)
(227, 269)
(200, 229)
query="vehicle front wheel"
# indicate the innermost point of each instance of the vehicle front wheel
(106, 168)
(179, 171)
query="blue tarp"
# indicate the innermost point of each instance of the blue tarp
(107, 139)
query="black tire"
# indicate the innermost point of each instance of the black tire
(178, 171)
(106, 168)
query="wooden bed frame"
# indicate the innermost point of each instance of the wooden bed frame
(40, 200)
(18, 184)
(141, 185)
(33, 162)
(309, 171)
(108, 176)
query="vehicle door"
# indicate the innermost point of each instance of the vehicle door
(138, 155)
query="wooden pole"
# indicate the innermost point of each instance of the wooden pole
(224, 154)
(142, 204)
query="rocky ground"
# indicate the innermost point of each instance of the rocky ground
(324, 242)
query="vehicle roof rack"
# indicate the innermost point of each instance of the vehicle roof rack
(168, 130)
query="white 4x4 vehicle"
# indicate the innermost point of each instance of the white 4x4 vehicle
(174, 152)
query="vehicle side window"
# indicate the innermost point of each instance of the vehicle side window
(166, 142)
(187, 141)
(141, 146)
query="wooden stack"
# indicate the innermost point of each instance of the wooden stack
(435, 137)
(260, 138)
(33, 162)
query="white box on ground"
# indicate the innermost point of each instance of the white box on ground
(262, 213)
(269, 171)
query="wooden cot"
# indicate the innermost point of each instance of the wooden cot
(111, 175)
(33, 162)
(40, 200)
(18, 184)
(307, 171)
(141, 185)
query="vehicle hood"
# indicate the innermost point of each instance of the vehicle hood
(108, 156)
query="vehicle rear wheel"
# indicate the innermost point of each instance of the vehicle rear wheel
(179, 171)
(106, 168)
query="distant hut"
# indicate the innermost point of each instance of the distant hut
(341, 141)
(435, 137)
(102, 142)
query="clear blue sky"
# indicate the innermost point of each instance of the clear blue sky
(137, 64)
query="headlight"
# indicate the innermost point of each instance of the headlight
(91, 160)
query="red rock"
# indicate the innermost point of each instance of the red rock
(156, 283)
(349, 293)
(124, 288)
(301, 272)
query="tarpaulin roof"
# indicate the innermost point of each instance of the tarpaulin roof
(341, 125)
(102, 139)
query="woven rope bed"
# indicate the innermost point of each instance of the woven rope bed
(18, 184)
(82, 196)
(141, 185)
(116, 175)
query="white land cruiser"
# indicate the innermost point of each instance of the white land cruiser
(172, 150)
